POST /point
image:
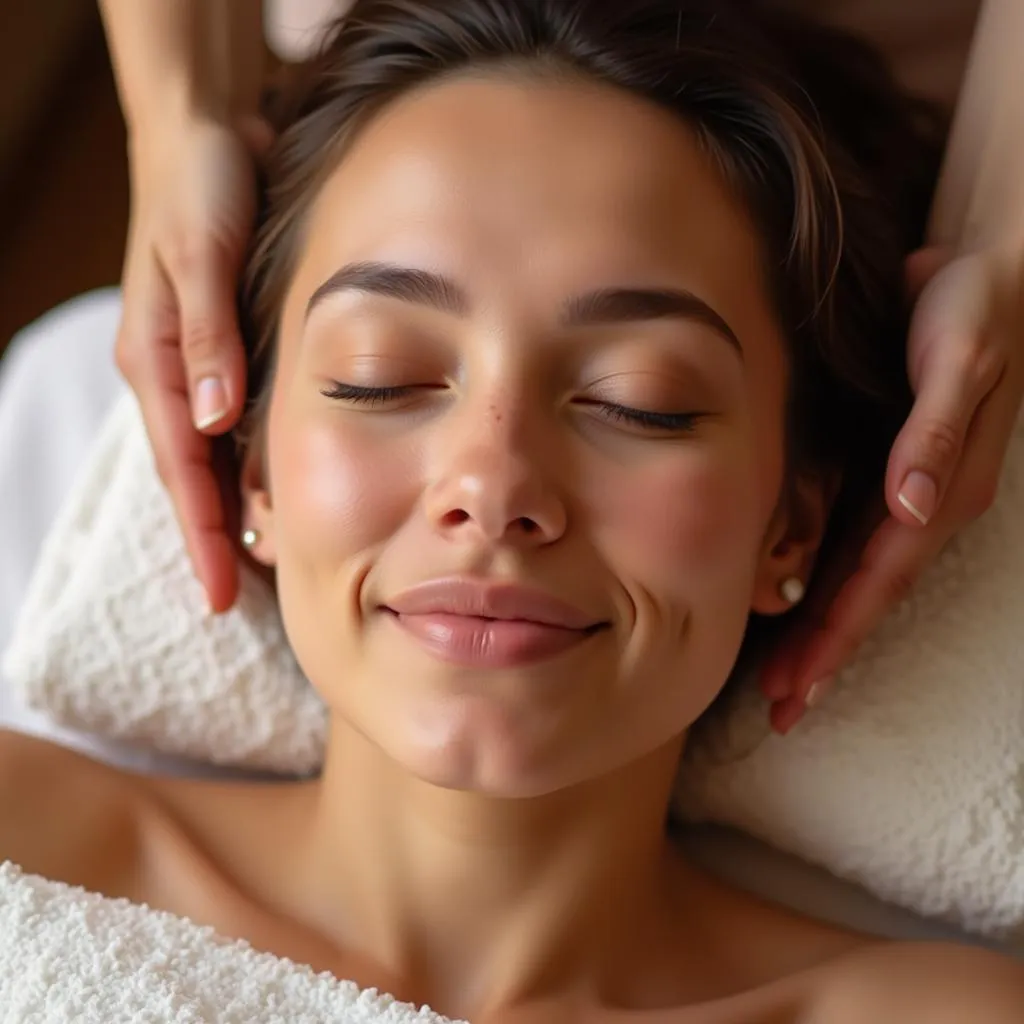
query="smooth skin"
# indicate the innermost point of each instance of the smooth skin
(491, 840)
(188, 73)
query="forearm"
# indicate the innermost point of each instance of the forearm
(980, 198)
(185, 57)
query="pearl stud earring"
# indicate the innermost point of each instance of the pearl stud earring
(792, 589)
(250, 538)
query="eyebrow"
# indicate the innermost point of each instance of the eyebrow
(603, 306)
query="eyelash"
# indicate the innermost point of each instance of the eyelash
(676, 422)
(683, 422)
(363, 396)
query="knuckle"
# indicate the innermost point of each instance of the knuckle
(940, 442)
(984, 367)
(200, 342)
(897, 586)
(184, 253)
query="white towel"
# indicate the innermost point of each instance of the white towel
(909, 778)
(73, 957)
(112, 636)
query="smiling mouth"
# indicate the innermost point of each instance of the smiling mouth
(597, 627)
(491, 623)
(481, 641)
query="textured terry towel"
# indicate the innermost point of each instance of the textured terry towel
(71, 956)
(111, 638)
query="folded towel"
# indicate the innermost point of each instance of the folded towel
(67, 955)
(909, 778)
(113, 638)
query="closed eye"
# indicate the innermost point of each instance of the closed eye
(667, 422)
(366, 396)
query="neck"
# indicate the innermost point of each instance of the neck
(480, 902)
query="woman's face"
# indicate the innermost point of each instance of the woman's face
(525, 441)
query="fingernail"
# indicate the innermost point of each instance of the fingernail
(919, 496)
(818, 692)
(210, 402)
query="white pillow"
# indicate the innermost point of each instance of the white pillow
(910, 778)
(906, 781)
(114, 638)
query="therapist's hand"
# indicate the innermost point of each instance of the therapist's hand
(965, 358)
(193, 204)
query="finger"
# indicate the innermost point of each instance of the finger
(775, 675)
(891, 563)
(181, 454)
(187, 471)
(897, 554)
(183, 459)
(957, 363)
(204, 282)
(928, 448)
(786, 715)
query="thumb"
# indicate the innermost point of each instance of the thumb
(211, 344)
(952, 372)
(927, 450)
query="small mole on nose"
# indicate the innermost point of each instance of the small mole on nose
(495, 413)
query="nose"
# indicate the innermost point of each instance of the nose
(491, 488)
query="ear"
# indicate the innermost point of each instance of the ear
(793, 539)
(257, 507)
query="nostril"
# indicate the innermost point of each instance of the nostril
(456, 517)
(524, 525)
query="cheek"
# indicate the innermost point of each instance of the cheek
(335, 492)
(690, 522)
(336, 501)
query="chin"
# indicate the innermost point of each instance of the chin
(475, 747)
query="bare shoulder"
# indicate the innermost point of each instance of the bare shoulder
(935, 982)
(65, 816)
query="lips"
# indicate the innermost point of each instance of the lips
(496, 625)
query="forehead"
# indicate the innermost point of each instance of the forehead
(529, 189)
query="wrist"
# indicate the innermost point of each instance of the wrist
(183, 101)
(167, 109)
(165, 137)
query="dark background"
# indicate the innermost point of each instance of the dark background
(63, 165)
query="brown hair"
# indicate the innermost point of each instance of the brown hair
(835, 165)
